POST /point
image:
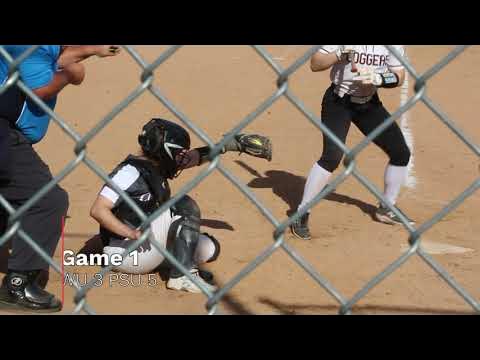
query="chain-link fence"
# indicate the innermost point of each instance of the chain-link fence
(283, 90)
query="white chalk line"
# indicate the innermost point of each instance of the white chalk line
(411, 180)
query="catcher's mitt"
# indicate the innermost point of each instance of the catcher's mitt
(254, 145)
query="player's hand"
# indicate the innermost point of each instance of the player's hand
(135, 234)
(366, 76)
(345, 55)
(107, 50)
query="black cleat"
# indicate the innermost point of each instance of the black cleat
(387, 216)
(20, 291)
(207, 276)
(300, 228)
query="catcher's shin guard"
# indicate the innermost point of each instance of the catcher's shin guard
(20, 291)
(184, 234)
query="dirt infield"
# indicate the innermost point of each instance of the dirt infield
(216, 87)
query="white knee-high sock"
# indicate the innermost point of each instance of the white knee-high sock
(395, 177)
(316, 181)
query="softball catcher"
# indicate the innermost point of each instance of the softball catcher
(165, 153)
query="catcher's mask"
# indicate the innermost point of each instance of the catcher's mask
(166, 142)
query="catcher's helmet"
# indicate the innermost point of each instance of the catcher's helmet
(164, 140)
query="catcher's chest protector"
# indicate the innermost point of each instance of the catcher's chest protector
(149, 191)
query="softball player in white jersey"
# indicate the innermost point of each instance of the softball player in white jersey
(357, 71)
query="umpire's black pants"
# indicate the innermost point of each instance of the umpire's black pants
(338, 113)
(43, 221)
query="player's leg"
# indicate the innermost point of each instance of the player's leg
(147, 257)
(42, 222)
(393, 143)
(336, 116)
(184, 238)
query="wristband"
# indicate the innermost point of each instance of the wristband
(203, 152)
(389, 80)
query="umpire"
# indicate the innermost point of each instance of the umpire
(23, 173)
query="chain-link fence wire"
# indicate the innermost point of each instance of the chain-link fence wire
(280, 226)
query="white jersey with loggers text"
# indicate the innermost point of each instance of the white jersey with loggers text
(375, 57)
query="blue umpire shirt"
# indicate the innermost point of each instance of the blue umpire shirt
(36, 71)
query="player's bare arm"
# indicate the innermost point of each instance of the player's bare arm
(75, 54)
(101, 211)
(71, 71)
(71, 74)
(322, 62)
